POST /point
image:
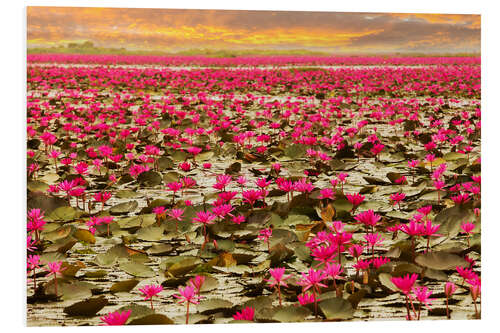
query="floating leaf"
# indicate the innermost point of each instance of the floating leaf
(184, 266)
(64, 214)
(84, 236)
(295, 151)
(226, 260)
(70, 290)
(144, 220)
(440, 260)
(96, 274)
(151, 234)
(451, 218)
(160, 249)
(213, 305)
(336, 309)
(136, 310)
(165, 162)
(385, 280)
(126, 194)
(149, 178)
(205, 156)
(124, 207)
(291, 314)
(60, 233)
(44, 202)
(37, 186)
(124, 286)
(296, 219)
(87, 308)
(137, 269)
(152, 319)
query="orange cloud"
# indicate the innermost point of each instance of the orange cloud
(169, 30)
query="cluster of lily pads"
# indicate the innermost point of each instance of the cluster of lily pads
(219, 195)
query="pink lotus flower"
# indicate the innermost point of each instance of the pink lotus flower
(397, 198)
(426, 210)
(222, 182)
(55, 268)
(405, 283)
(30, 244)
(380, 261)
(362, 264)
(222, 210)
(188, 295)
(246, 313)
(303, 185)
(149, 291)
(238, 219)
(355, 199)
(251, 196)
(185, 166)
(422, 294)
(307, 298)
(368, 218)
(356, 250)
(278, 279)
(241, 180)
(197, 283)
(204, 218)
(467, 228)
(461, 198)
(449, 289)
(312, 279)
(327, 193)
(159, 211)
(116, 318)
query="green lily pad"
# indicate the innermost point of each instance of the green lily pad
(60, 233)
(124, 207)
(64, 214)
(124, 286)
(137, 269)
(183, 267)
(149, 178)
(84, 236)
(150, 234)
(385, 280)
(291, 314)
(144, 220)
(213, 305)
(126, 194)
(152, 319)
(136, 310)
(451, 219)
(96, 274)
(336, 309)
(165, 162)
(70, 290)
(37, 186)
(296, 219)
(160, 249)
(87, 308)
(440, 260)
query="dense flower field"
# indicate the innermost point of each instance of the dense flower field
(161, 195)
(249, 60)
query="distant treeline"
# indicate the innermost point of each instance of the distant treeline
(89, 48)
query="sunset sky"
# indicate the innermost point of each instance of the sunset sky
(173, 30)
